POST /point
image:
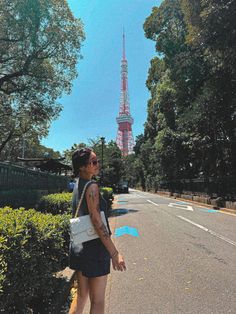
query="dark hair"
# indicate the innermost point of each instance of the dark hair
(80, 158)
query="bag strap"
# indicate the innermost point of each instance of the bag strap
(82, 196)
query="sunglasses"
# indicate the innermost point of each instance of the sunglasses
(95, 162)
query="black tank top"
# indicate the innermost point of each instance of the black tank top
(77, 193)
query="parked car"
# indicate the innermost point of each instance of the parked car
(123, 187)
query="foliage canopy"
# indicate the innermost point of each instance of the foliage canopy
(190, 130)
(40, 44)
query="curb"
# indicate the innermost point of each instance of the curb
(68, 276)
(221, 209)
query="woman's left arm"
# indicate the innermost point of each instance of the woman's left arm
(92, 198)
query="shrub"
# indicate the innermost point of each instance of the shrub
(33, 247)
(107, 194)
(58, 203)
(19, 197)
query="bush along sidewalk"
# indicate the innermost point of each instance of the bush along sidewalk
(19, 197)
(33, 248)
(58, 203)
(107, 194)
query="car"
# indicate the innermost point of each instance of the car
(122, 188)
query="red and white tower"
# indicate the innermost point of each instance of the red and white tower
(124, 139)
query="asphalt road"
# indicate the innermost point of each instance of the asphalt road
(183, 261)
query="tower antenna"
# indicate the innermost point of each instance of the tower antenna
(124, 139)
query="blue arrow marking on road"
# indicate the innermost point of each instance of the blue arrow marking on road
(126, 230)
(208, 210)
(122, 202)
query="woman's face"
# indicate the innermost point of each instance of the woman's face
(93, 164)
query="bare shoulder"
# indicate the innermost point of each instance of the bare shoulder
(93, 186)
(92, 191)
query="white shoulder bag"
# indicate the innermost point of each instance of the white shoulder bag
(81, 228)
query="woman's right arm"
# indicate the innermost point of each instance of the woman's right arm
(92, 198)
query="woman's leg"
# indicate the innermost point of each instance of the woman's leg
(97, 288)
(79, 301)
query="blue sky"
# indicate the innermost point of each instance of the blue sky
(91, 109)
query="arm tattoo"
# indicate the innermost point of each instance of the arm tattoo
(92, 196)
(103, 228)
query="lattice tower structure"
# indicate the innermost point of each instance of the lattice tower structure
(124, 139)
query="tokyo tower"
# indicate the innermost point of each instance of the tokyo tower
(124, 139)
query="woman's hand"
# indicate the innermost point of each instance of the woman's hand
(118, 262)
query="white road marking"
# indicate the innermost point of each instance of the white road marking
(152, 202)
(170, 198)
(138, 195)
(181, 206)
(209, 231)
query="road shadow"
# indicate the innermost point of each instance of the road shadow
(121, 211)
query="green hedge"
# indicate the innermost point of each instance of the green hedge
(19, 197)
(107, 194)
(33, 247)
(58, 203)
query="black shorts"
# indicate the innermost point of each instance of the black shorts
(93, 261)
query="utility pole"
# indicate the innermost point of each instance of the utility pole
(23, 148)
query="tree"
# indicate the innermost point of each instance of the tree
(112, 159)
(190, 127)
(40, 42)
(28, 147)
(67, 154)
(211, 25)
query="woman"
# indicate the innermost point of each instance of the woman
(92, 265)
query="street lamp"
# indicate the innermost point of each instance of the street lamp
(103, 141)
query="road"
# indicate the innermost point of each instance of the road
(183, 261)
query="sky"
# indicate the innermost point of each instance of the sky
(91, 109)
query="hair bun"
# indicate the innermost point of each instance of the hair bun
(80, 158)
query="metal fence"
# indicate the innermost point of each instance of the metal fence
(19, 177)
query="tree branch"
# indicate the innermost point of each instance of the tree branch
(23, 71)
(10, 40)
(3, 144)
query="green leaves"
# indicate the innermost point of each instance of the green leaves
(58, 203)
(190, 127)
(39, 48)
(33, 246)
(112, 159)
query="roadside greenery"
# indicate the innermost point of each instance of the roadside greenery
(33, 247)
(60, 203)
(40, 44)
(57, 203)
(107, 194)
(16, 197)
(190, 128)
(113, 168)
